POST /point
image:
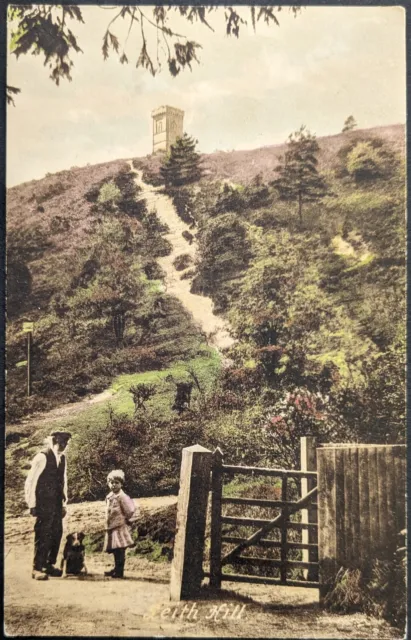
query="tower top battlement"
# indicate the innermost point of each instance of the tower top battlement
(160, 111)
(167, 127)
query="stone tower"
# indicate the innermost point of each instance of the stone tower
(167, 127)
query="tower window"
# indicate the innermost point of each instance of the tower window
(159, 126)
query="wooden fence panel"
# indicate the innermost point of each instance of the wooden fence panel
(361, 505)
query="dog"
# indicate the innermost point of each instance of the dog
(73, 561)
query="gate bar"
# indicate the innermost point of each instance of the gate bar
(259, 522)
(272, 543)
(257, 502)
(271, 562)
(266, 471)
(234, 577)
(253, 539)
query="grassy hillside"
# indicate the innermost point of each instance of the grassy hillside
(316, 306)
(81, 266)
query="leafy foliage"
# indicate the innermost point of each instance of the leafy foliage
(100, 313)
(298, 177)
(317, 309)
(10, 92)
(182, 166)
(350, 124)
(367, 161)
(224, 252)
(42, 30)
(380, 591)
(109, 194)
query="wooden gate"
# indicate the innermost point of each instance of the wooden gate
(288, 539)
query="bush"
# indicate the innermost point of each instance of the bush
(59, 224)
(128, 444)
(379, 591)
(153, 271)
(154, 225)
(183, 202)
(153, 537)
(188, 236)
(190, 273)
(152, 177)
(366, 162)
(182, 262)
(109, 194)
(366, 159)
(48, 191)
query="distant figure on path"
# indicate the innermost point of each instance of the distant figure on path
(46, 497)
(120, 509)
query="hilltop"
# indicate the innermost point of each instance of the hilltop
(242, 166)
(238, 166)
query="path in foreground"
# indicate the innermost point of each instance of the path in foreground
(137, 606)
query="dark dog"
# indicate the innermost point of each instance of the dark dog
(73, 555)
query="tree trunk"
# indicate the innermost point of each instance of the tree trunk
(119, 323)
(300, 206)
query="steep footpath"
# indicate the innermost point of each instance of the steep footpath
(201, 307)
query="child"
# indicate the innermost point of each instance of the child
(119, 511)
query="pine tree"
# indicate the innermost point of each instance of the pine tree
(298, 177)
(349, 124)
(182, 166)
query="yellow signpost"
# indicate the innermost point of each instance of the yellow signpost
(28, 328)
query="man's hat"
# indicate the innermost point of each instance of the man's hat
(61, 435)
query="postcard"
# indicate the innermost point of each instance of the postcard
(206, 321)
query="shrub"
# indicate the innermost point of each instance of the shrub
(59, 224)
(366, 162)
(183, 202)
(182, 262)
(153, 537)
(379, 591)
(190, 273)
(153, 224)
(153, 271)
(109, 194)
(365, 158)
(48, 191)
(188, 236)
(152, 177)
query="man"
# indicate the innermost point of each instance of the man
(46, 497)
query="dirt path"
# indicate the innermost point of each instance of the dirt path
(201, 307)
(139, 605)
(62, 411)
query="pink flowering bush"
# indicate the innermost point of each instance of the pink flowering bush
(299, 412)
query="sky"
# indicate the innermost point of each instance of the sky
(314, 69)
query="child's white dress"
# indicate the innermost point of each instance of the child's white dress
(120, 508)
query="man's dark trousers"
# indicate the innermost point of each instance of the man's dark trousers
(48, 531)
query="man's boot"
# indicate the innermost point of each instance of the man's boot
(53, 571)
(39, 575)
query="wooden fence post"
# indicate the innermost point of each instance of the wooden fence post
(187, 565)
(216, 492)
(308, 446)
(284, 513)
